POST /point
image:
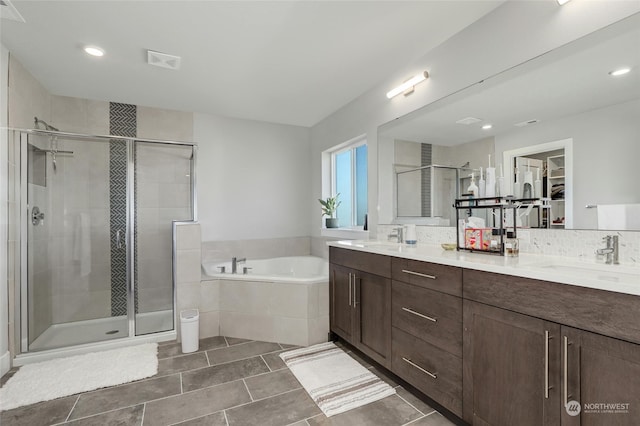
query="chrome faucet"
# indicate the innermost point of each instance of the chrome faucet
(398, 234)
(611, 251)
(234, 264)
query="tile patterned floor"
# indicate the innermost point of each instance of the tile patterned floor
(228, 382)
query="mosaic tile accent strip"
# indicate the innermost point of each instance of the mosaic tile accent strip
(122, 122)
(425, 160)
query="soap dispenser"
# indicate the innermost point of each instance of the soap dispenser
(473, 188)
(527, 186)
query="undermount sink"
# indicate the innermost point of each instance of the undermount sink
(611, 273)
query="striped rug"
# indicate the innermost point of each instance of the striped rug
(335, 381)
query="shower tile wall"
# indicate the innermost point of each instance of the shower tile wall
(425, 178)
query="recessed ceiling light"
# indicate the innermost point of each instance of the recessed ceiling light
(487, 127)
(562, 2)
(619, 71)
(94, 51)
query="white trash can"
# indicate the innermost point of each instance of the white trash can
(189, 330)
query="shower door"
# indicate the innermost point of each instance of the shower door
(163, 183)
(98, 233)
(68, 251)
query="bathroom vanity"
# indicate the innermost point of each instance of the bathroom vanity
(496, 341)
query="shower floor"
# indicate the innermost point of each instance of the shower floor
(101, 329)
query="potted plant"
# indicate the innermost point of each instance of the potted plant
(329, 208)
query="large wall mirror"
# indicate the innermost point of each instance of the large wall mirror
(562, 117)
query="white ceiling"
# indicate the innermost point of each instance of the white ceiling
(571, 80)
(292, 62)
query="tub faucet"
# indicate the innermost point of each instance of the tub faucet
(611, 251)
(234, 264)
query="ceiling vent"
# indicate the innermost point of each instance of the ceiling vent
(468, 120)
(526, 123)
(163, 60)
(9, 11)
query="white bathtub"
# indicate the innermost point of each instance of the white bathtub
(292, 269)
(284, 299)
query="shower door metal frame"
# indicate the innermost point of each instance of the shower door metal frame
(23, 221)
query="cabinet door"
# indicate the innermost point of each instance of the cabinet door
(598, 371)
(372, 301)
(511, 373)
(341, 301)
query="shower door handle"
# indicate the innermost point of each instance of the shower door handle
(118, 239)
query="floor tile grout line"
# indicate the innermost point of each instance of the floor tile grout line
(413, 406)
(248, 391)
(226, 341)
(144, 410)
(208, 361)
(414, 420)
(225, 417)
(239, 359)
(72, 408)
(265, 361)
(109, 411)
(181, 386)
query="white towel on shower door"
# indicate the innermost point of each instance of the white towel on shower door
(82, 243)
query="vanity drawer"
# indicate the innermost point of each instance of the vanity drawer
(431, 370)
(429, 315)
(447, 279)
(372, 263)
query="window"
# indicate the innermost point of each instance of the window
(349, 179)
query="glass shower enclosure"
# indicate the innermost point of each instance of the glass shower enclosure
(96, 235)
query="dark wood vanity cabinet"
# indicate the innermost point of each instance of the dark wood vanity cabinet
(361, 301)
(600, 370)
(496, 350)
(511, 368)
(426, 333)
(523, 369)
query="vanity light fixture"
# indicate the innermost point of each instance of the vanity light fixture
(619, 72)
(94, 51)
(562, 2)
(487, 126)
(408, 86)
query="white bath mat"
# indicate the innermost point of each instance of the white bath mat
(334, 380)
(44, 381)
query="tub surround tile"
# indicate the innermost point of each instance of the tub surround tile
(242, 351)
(125, 395)
(189, 266)
(279, 410)
(270, 384)
(42, 413)
(255, 327)
(223, 373)
(256, 249)
(196, 404)
(209, 324)
(126, 416)
(188, 237)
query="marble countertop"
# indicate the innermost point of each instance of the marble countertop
(616, 278)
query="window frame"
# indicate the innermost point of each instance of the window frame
(351, 146)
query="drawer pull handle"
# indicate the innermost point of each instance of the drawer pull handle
(419, 368)
(411, 311)
(433, 277)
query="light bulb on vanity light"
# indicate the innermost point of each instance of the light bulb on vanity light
(620, 71)
(94, 51)
(409, 84)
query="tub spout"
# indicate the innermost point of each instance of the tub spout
(234, 264)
